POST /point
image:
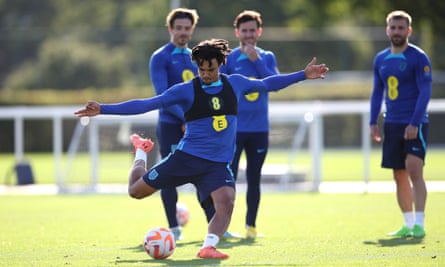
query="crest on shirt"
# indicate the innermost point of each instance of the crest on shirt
(252, 96)
(426, 69)
(187, 75)
(219, 123)
(402, 66)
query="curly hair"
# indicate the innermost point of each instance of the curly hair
(211, 49)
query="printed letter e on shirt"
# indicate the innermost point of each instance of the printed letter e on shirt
(219, 123)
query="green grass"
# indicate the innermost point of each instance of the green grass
(301, 229)
(338, 165)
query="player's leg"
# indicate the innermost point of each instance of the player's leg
(218, 184)
(415, 169)
(223, 199)
(393, 157)
(403, 190)
(137, 188)
(208, 207)
(405, 202)
(169, 135)
(169, 198)
(416, 150)
(256, 151)
(240, 137)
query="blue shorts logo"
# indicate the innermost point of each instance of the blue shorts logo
(153, 175)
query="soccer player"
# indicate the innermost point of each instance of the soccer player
(253, 118)
(169, 65)
(204, 153)
(402, 73)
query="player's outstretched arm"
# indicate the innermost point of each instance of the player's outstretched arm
(313, 71)
(92, 108)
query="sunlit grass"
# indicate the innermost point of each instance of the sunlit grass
(300, 229)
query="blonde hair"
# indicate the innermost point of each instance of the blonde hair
(399, 14)
(181, 13)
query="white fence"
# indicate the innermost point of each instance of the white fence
(309, 113)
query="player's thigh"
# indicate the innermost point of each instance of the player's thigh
(172, 171)
(217, 175)
(393, 154)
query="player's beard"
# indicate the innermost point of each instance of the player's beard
(183, 40)
(398, 41)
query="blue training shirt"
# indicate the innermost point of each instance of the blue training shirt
(253, 109)
(406, 80)
(168, 66)
(211, 138)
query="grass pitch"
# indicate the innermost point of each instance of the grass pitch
(300, 229)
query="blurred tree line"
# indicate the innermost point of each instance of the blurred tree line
(105, 45)
(68, 44)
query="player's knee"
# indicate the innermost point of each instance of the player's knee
(135, 193)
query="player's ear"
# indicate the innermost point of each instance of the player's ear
(236, 32)
(259, 31)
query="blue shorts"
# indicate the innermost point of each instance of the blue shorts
(395, 147)
(181, 168)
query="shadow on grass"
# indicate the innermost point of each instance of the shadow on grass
(228, 243)
(223, 244)
(171, 262)
(394, 242)
(140, 247)
(182, 243)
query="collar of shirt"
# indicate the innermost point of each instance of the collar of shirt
(242, 56)
(178, 50)
(213, 84)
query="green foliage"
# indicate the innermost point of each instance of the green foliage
(119, 36)
(144, 13)
(299, 230)
(77, 65)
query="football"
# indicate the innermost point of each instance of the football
(182, 214)
(159, 243)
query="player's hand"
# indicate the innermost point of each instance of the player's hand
(92, 108)
(313, 71)
(375, 133)
(250, 51)
(411, 132)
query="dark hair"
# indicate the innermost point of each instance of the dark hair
(182, 13)
(248, 15)
(211, 49)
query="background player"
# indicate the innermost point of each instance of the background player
(403, 73)
(169, 65)
(253, 118)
